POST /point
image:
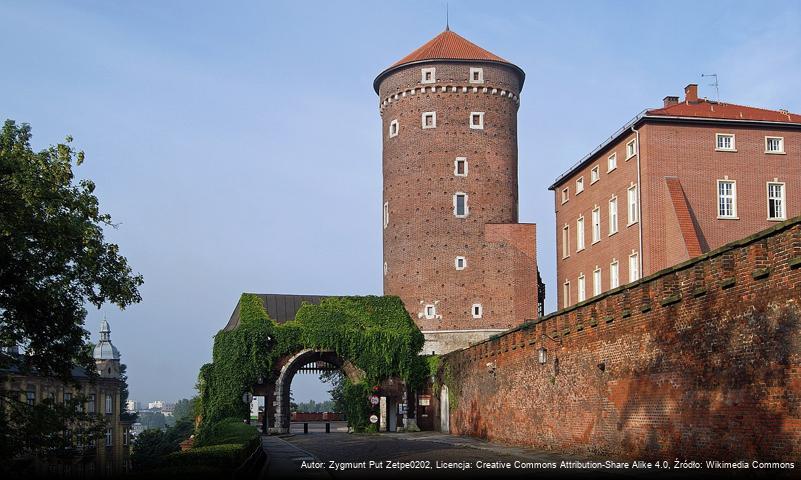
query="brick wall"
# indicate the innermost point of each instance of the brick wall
(702, 360)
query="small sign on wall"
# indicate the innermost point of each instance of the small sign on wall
(424, 400)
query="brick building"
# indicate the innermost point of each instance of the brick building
(453, 248)
(673, 183)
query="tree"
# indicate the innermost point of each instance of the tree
(337, 380)
(53, 256)
(125, 415)
(184, 408)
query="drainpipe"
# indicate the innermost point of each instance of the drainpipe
(639, 201)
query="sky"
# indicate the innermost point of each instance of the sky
(238, 146)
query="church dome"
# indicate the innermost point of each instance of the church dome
(105, 350)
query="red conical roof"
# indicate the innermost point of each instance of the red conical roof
(446, 46)
(449, 45)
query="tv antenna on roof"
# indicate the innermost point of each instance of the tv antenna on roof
(715, 84)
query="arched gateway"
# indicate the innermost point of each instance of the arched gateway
(278, 422)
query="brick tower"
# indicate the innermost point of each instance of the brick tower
(453, 250)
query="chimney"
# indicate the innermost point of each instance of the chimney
(691, 93)
(670, 101)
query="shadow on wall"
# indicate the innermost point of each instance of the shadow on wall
(735, 370)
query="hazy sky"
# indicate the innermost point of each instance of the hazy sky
(239, 144)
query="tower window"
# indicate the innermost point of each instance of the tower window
(582, 290)
(596, 225)
(565, 195)
(596, 281)
(580, 234)
(478, 311)
(109, 434)
(109, 404)
(460, 208)
(477, 120)
(476, 75)
(774, 144)
(460, 167)
(386, 214)
(565, 241)
(386, 269)
(430, 311)
(579, 185)
(595, 174)
(460, 263)
(566, 294)
(429, 75)
(430, 120)
(393, 128)
(724, 142)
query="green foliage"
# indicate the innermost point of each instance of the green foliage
(54, 259)
(151, 446)
(376, 334)
(184, 408)
(226, 457)
(357, 405)
(315, 406)
(227, 431)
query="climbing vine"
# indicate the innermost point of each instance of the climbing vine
(375, 334)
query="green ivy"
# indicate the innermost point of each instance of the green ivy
(374, 333)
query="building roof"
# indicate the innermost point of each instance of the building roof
(684, 216)
(704, 108)
(447, 46)
(105, 350)
(698, 110)
(281, 308)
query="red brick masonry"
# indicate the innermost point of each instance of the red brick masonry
(698, 361)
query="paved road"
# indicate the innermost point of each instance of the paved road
(408, 455)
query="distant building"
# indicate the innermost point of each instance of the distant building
(106, 456)
(158, 405)
(131, 406)
(672, 184)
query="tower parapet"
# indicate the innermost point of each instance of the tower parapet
(107, 357)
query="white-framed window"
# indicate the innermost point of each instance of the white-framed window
(477, 310)
(566, 294)
(477, 120)
(632, 204)
(614, 274)
(460, 208)
(613, 215)
(597, 287)
(595, 174)
(565, 241)
(386, 214)
(393, 128)
(430, 311)
(774, 144)
(109, 404)
(582, 290)
(596, 224)
(631, 148)
(109, 437)
(429, 120)
(460, 263)
(634, 267)
(579, 185)
(611, 162)
(580, 233)
(428, 75)
(476, 75)
(724, 142)
(727, 198)
(460, 167)
(386, 269)
(565, 195)
(776, 201)
(90, 403)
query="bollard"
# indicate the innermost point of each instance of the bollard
(327, 427)
(305, 427)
